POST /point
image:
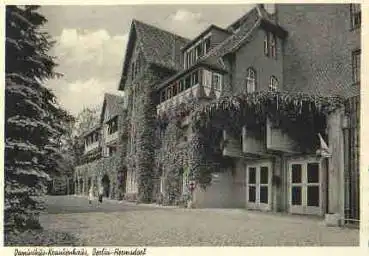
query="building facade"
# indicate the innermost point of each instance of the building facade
(152, 137)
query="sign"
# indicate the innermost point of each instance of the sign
(192, 185)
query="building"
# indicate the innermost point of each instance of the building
(273, 165)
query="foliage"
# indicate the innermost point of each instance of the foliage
(40, 238)
(34, 121)
(297, 114)
(86, 120)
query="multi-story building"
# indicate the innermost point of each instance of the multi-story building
(305, 48)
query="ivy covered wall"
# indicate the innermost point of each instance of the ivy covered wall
(96, 171)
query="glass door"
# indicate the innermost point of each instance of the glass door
(259, 187)
(305, 179)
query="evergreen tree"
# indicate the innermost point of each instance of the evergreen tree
(34, 121)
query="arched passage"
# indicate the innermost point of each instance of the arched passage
(89, 183)
(106, 185)
(81, 186)
(121, 182)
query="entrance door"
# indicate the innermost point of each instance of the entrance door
(259, 189)
(305, 195)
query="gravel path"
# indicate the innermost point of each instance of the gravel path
(125, 224)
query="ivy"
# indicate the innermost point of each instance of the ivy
(297, 114)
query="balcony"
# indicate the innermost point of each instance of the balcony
(258, 143)
(111, 137)
(277, 140)
(190, 86)
(91, 146)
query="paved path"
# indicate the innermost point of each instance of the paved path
(125, 224)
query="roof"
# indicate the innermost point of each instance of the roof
(90, 130)
(113, 103)
(193, 41)
(213, 58)
(159, 47)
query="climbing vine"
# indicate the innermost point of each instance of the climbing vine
(300, 115)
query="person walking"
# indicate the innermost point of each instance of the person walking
(90, 195)
(101, 191)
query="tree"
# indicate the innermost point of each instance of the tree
(34, 122)
(86, 119)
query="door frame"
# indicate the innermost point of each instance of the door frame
(257, 205)
(304, 208)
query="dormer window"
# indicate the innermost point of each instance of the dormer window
(207, 45)
(199, 49)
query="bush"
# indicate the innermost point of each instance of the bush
(40, 238)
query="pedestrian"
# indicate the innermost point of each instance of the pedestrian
(100, 194)
(90, 195)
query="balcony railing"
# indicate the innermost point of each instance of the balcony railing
(205, 83)
(111, 137)
(91, 146)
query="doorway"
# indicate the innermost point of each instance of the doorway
(259, 186)
(106, 185)
(305, 187)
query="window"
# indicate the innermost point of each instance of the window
(181, 86)
(355, 10)
(195, 78)
(266, 44)
(273, 84)
(162, 96)
(273, 47)
(356, 66)
(250, 80)
(198, 50)
(207, 45)
(217, 81)
(113, 126)
(188, 82)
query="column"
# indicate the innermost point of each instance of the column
(336, 163)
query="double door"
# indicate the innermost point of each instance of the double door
(259, 186)
(305, 187)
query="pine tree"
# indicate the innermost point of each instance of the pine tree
(34, 121)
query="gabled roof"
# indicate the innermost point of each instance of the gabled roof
(113, 103)
(91, 130)
(213, 59)
(250, 22)
(211, 27)
(159, 47)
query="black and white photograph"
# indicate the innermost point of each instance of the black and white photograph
(182, 125)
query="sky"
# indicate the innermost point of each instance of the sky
(91, 42)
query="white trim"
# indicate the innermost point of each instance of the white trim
(304, 208)
(257, 205)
